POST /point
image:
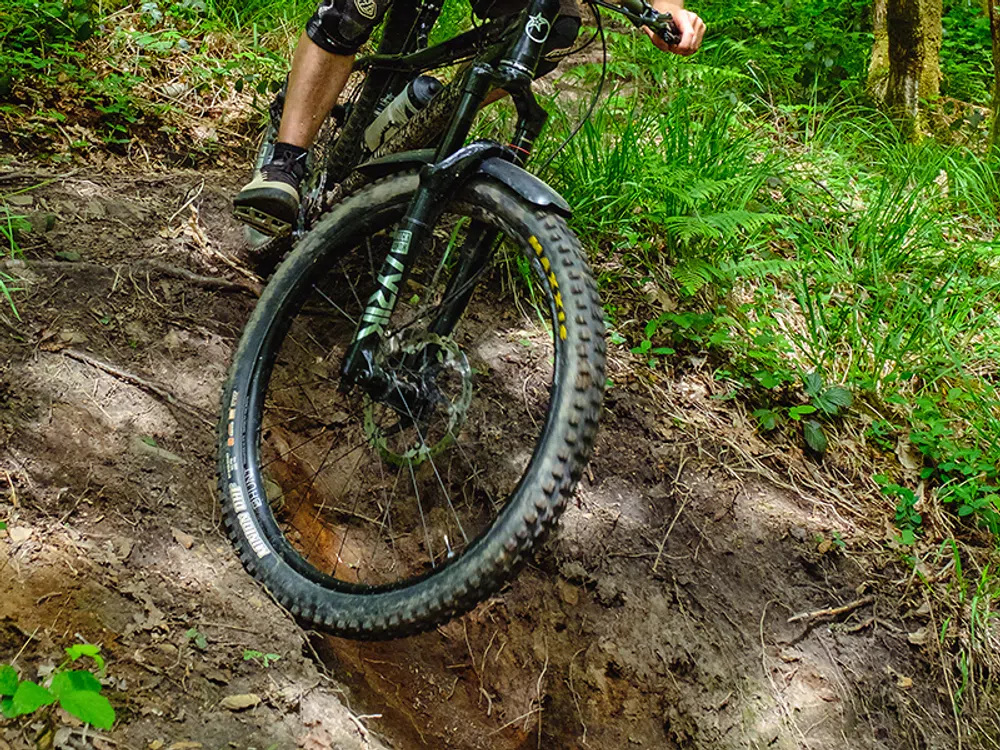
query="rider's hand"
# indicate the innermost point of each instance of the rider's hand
(690, 24)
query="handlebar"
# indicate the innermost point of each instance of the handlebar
(640, 13)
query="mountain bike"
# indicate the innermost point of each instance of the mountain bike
(395, 439)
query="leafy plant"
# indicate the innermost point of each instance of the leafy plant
(196, 637)
(265, 660)
(646, 348)
(78, 692)
(908, 520)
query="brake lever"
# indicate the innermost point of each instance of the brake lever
(641, 13)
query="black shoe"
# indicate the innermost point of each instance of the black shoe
(270, 202)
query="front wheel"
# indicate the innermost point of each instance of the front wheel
(380, 518)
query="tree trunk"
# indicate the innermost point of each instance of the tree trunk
(914, 31)
(995, 33)
(878, 68)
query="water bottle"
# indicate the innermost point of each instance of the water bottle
(407, 103)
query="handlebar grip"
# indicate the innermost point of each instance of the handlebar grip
(669, 31)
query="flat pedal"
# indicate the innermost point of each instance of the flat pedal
(262, 222)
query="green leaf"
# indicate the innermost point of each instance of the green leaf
(838, 396)
(3, 525)
(28, 698)
(86, 649)
(767, 418)
(89, 707)
(768, 379)
(199, 639)
(8, 680)
(797, 412)
(67, 682)
(813, 383)
(813, 433)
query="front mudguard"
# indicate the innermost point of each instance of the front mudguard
(517, 179)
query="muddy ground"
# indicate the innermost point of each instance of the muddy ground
(663, 615)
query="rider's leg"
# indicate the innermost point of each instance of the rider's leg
(314, 84)
(320, 69)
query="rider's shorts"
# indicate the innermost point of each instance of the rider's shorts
(342, 26)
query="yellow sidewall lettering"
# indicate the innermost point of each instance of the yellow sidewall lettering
(553, 283)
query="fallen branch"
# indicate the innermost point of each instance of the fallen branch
(152, 265)
(833, 611)
(147, 385)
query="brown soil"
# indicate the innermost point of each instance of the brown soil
(657, 618)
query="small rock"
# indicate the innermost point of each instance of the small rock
(217, 676)
(569, 593)
(182, 538)
(94, 210)
(175, 90)
(798, 533)
(574, 571)
(70, 337)
(123, 547)
(42, 222)
(241, 701)
(919, 637)
(19, 534)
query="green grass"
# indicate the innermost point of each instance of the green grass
(835, 274)
(11, 225)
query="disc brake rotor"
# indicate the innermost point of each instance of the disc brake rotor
(413, 439)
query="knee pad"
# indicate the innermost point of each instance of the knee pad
(342, 26)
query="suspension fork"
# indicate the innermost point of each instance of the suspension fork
(437, 184)
(482, 239)
(454, 164)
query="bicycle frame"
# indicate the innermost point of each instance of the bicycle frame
(506, 65)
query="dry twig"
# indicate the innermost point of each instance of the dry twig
(147, 385)
(151, 265)
(832, 611)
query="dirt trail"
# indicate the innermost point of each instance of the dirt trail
(658, 617)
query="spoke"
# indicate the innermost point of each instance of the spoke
(423, 522)
(285, 493)
(294, 448)
(353, 512)
(312, 479)
(313, 439)
(371, 260)
(335, 306)
(354, 291)
(386, 519)
(297, 384)
(447, 495)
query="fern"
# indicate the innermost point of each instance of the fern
(724, 225)
(693, 274)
